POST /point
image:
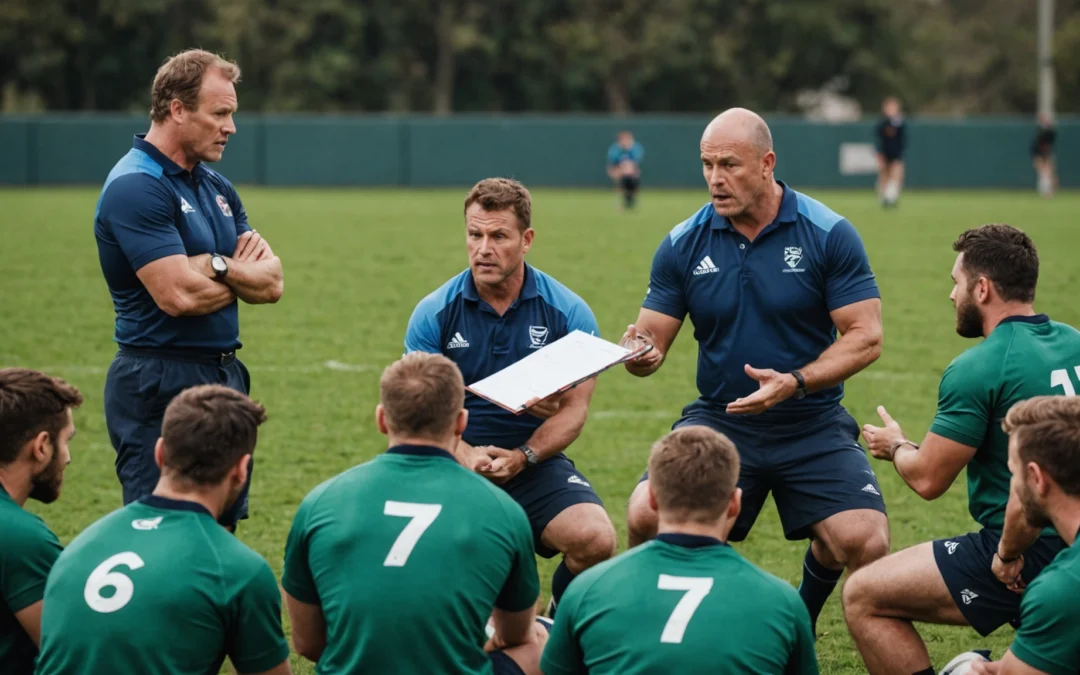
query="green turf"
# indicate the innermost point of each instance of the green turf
(356, 262)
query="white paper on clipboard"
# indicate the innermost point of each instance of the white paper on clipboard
(557, 367)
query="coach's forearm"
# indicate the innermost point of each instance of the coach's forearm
(196, 295)
(558, 431)
(854, 351)
(1017, 535)
(256, 282)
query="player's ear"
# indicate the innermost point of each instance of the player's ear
(1039, 479)
(527, 236)
(461, 423)
(176, 108)
(735, 507)
(653, 504)
(380, 420)
(39, 448)
(768, 163)
(159, 453)
(242, 469)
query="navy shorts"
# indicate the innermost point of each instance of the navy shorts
(815, 468)
(138, 388)
(630, 183)
(545, 491)
(965, 565)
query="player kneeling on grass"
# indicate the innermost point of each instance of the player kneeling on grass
(968, 580)
(35, 429)
(1044, 458)
(159, 586)
(396, 565)
(694, 604)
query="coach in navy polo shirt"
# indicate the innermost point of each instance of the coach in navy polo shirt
(768, 276)
(490, 316)
(176, 251)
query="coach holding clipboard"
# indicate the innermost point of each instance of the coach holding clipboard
(177, 251)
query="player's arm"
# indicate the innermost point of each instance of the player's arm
(1016, 537)
(661, 315)
(515, 607)
(308, 628)
(803, 657)
(513, 628)
(562, 653)
(931, 468)
(30, 620)
(1009, 665)
(179, 290)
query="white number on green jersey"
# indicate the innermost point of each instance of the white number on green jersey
(696, 589)
(103, 577)
(1060, 378)
(423, 515)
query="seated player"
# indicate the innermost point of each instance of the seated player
(1044, 458)
(159, 586)
(624, 167)
(1042, 156)
(965, 580)
(684, 602)
(35, 430)
(396, 565)
(891, 139)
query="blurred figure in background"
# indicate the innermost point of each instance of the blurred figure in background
(624, 167)
(890, 136)
(1042, 156)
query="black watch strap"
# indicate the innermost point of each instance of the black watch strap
(800, 389)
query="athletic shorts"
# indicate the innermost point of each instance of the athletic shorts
(138, 388)
(815, 468)
(630, 183)
(965, 565)
(891, 156)
(545, 491)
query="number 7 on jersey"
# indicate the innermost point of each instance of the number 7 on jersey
(696, 589)
(422, 515)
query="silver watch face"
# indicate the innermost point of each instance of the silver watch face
(218, 264)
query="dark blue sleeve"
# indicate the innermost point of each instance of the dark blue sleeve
(423, 334)
(141, 213)
(901, 136)
(849, 278)
(613, 155)
(665, 292)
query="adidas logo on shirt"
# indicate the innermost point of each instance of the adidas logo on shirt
(457, 342)
(578, 481)
(706, 266)
(968, 596)
(185, 207)
(951, 546)
(871, 489)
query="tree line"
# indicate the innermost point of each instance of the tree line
(951, 57)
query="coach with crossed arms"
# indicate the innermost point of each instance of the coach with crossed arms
(177, 252)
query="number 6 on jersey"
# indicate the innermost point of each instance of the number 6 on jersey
(103, 577)
(696, 589)
(423, 515)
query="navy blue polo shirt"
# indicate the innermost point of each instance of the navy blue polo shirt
(765, 303)
(150, 208)
(455, 322)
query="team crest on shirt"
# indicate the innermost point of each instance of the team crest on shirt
(793, 256)
(538, 335)
(224, 205)
(147, 523)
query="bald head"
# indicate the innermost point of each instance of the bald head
(739, 125)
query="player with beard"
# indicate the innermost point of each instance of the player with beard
(160, 586)
(1044, 457)
(971, 579)
(35, 429)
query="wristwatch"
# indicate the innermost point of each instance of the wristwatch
(800, 388)
(531, 459)
(220, 267)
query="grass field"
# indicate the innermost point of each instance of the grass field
(356, 262)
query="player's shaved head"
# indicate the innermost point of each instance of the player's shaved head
(693, 473)
(739, 125)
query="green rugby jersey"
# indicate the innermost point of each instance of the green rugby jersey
(1024, 356)
(1049, 635)
(680, 604)
(28, 550)
(160, 587)
(407, 555)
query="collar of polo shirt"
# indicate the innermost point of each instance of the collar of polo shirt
(528, 287)
(170, 167)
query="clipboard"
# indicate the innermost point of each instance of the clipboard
(553, 369)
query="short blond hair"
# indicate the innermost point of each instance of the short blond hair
(1046, 431)
(422, 395)
(181, 77)
(693, 472)
(503, 194)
